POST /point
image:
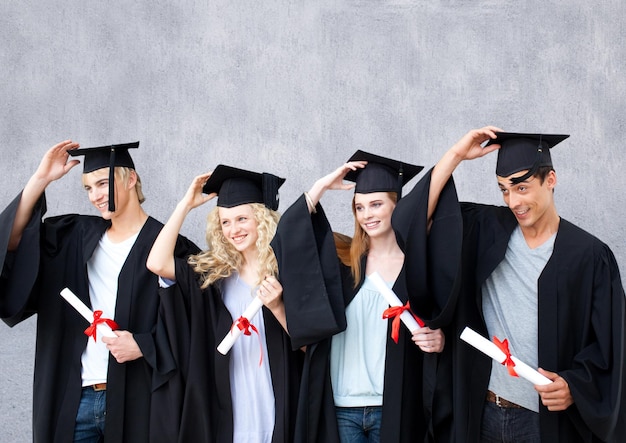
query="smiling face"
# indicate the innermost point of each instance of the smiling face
(239, 227)
(373, 212)
(532, 200)
(96, 184)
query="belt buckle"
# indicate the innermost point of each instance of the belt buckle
(498, 402)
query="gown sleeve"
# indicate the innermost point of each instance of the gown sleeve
(20, 268)
(597, 378)
(432, 257)
(147, 341)
(173, 330)
(310, 274)
(181, 409)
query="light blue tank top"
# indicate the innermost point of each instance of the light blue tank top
(357, 356)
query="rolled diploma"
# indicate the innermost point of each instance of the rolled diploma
(235, 332)
(103, 329)
(393, 300)
(491, 349)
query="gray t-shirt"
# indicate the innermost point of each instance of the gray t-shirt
(510, 311)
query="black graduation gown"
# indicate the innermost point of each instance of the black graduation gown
(581, 327)
(193, 402)
(52, 255)
(317, 290)
(433, 290)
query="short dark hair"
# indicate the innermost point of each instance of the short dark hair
(543, 172)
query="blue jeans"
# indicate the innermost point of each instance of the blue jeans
(505, 425)
(90, 418)
(359, 425)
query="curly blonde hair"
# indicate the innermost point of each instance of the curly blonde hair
(221, 258)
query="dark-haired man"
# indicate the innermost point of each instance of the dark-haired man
(548, 287)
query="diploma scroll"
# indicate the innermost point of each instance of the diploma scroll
(407, 318)
(102, 328)
(489, 348)
(235, 332)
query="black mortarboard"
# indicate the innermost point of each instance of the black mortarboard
(236, 187)
(381, 174)
(107, 157)
(520, 152)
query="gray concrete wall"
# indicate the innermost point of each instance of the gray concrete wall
(295, 87)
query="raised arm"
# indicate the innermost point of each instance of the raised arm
(467, 148)
(161, 257)
(334, 180)
(53, 166)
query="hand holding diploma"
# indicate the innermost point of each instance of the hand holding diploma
(269, 294)
(240, 325)
(556, 396)
(397, 310)
(515, 366)
(104, 326)
(429, 340)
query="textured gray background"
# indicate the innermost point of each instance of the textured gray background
(295, 87)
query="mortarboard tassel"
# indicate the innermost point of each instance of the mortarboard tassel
(112, 181)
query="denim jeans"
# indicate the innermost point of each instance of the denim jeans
(90, 418)
(359, 425)
(509, 425)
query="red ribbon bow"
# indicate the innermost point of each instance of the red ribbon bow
(395, 312)
(244, 326)
(508, 361)
(91, 330)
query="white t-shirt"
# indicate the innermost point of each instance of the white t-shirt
(103, 270)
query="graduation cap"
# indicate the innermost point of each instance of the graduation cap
(521, 151)
(106, 157)
(236, 187)
(381, 174)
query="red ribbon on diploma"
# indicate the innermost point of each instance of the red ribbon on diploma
(97, 319)
(244, 326)
(508, 362)
(395, 312)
